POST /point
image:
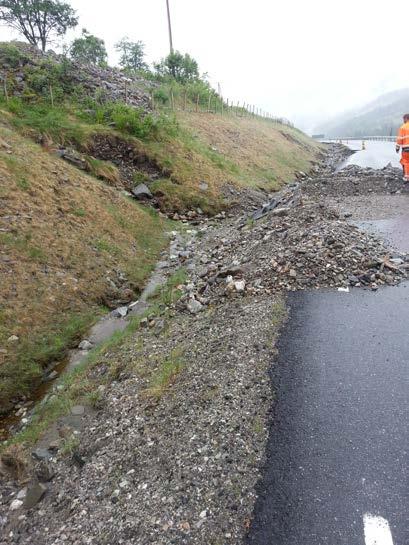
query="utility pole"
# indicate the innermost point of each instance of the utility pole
(170, 28)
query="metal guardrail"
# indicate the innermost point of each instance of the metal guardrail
(374, 138)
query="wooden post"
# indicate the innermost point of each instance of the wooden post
(51, 96)
(222, 106)
(172, 100)
(170, 28)
(185, 101)
(197, 103)
(152, 101)
(126, 92)
(6, 94)
(208, 105)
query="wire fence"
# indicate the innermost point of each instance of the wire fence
(205, 101)
(212, 104)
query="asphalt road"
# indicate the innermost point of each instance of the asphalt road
(338, 453)
(376, 154)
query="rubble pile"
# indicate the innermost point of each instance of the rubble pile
(309, 247)
(354, 180)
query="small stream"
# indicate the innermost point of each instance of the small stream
(102, 331)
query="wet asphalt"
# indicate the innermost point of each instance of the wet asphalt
(375, 154)
(339, 444)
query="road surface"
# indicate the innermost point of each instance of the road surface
(338, 451)
(376, 154)
(338, 454)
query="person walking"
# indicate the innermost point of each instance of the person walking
(402, 141)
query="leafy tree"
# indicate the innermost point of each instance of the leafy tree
(38, 20)
(181, 67)
(89, 49)
(132, 55)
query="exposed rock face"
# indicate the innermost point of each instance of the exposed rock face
(108, 84)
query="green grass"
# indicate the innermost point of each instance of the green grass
(278, 312)
(79, 212)
(23, 184)
(170, 292)
(165, 375)
(57, 123)
(69, 446)
(35, 353)
(79, 385)
(175, 196)
(23, 244)
(103, 245)
(104, 170)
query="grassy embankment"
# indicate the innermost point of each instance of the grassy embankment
(66, 237)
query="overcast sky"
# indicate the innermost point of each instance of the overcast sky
(304, 60)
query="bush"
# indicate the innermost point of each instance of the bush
(130, 120)
(10, 54)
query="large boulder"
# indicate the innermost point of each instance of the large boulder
(142, 192)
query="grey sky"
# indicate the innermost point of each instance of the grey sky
(303, 60)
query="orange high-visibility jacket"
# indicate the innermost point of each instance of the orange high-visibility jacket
(403, 136)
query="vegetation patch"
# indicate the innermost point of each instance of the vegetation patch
(165, 375)
(103, 170)
(81, 384)
(74, 245)
(33, 353)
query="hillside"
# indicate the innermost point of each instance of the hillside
(74, 242)
(382, 116)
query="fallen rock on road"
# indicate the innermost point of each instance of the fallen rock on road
(171, 453)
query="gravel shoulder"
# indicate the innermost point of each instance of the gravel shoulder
(172, 451)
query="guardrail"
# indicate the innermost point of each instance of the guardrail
(374, 138)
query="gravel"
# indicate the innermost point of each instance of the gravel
(172, 454)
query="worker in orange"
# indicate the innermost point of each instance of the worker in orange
(402, 141)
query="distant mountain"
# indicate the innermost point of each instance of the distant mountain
(382, 116)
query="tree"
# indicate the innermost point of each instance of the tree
(181, 67)
(38, 20)
(89, 49)
(132, 55)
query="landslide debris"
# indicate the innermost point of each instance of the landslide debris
(173, 452)
(300, 243)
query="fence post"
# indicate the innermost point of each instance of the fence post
(152, 101)
(185, 101)
(172, 100)
(126, 92)
(6, 94)
(208, 103)
(51, 96)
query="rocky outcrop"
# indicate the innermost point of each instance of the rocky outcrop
(19, 61)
